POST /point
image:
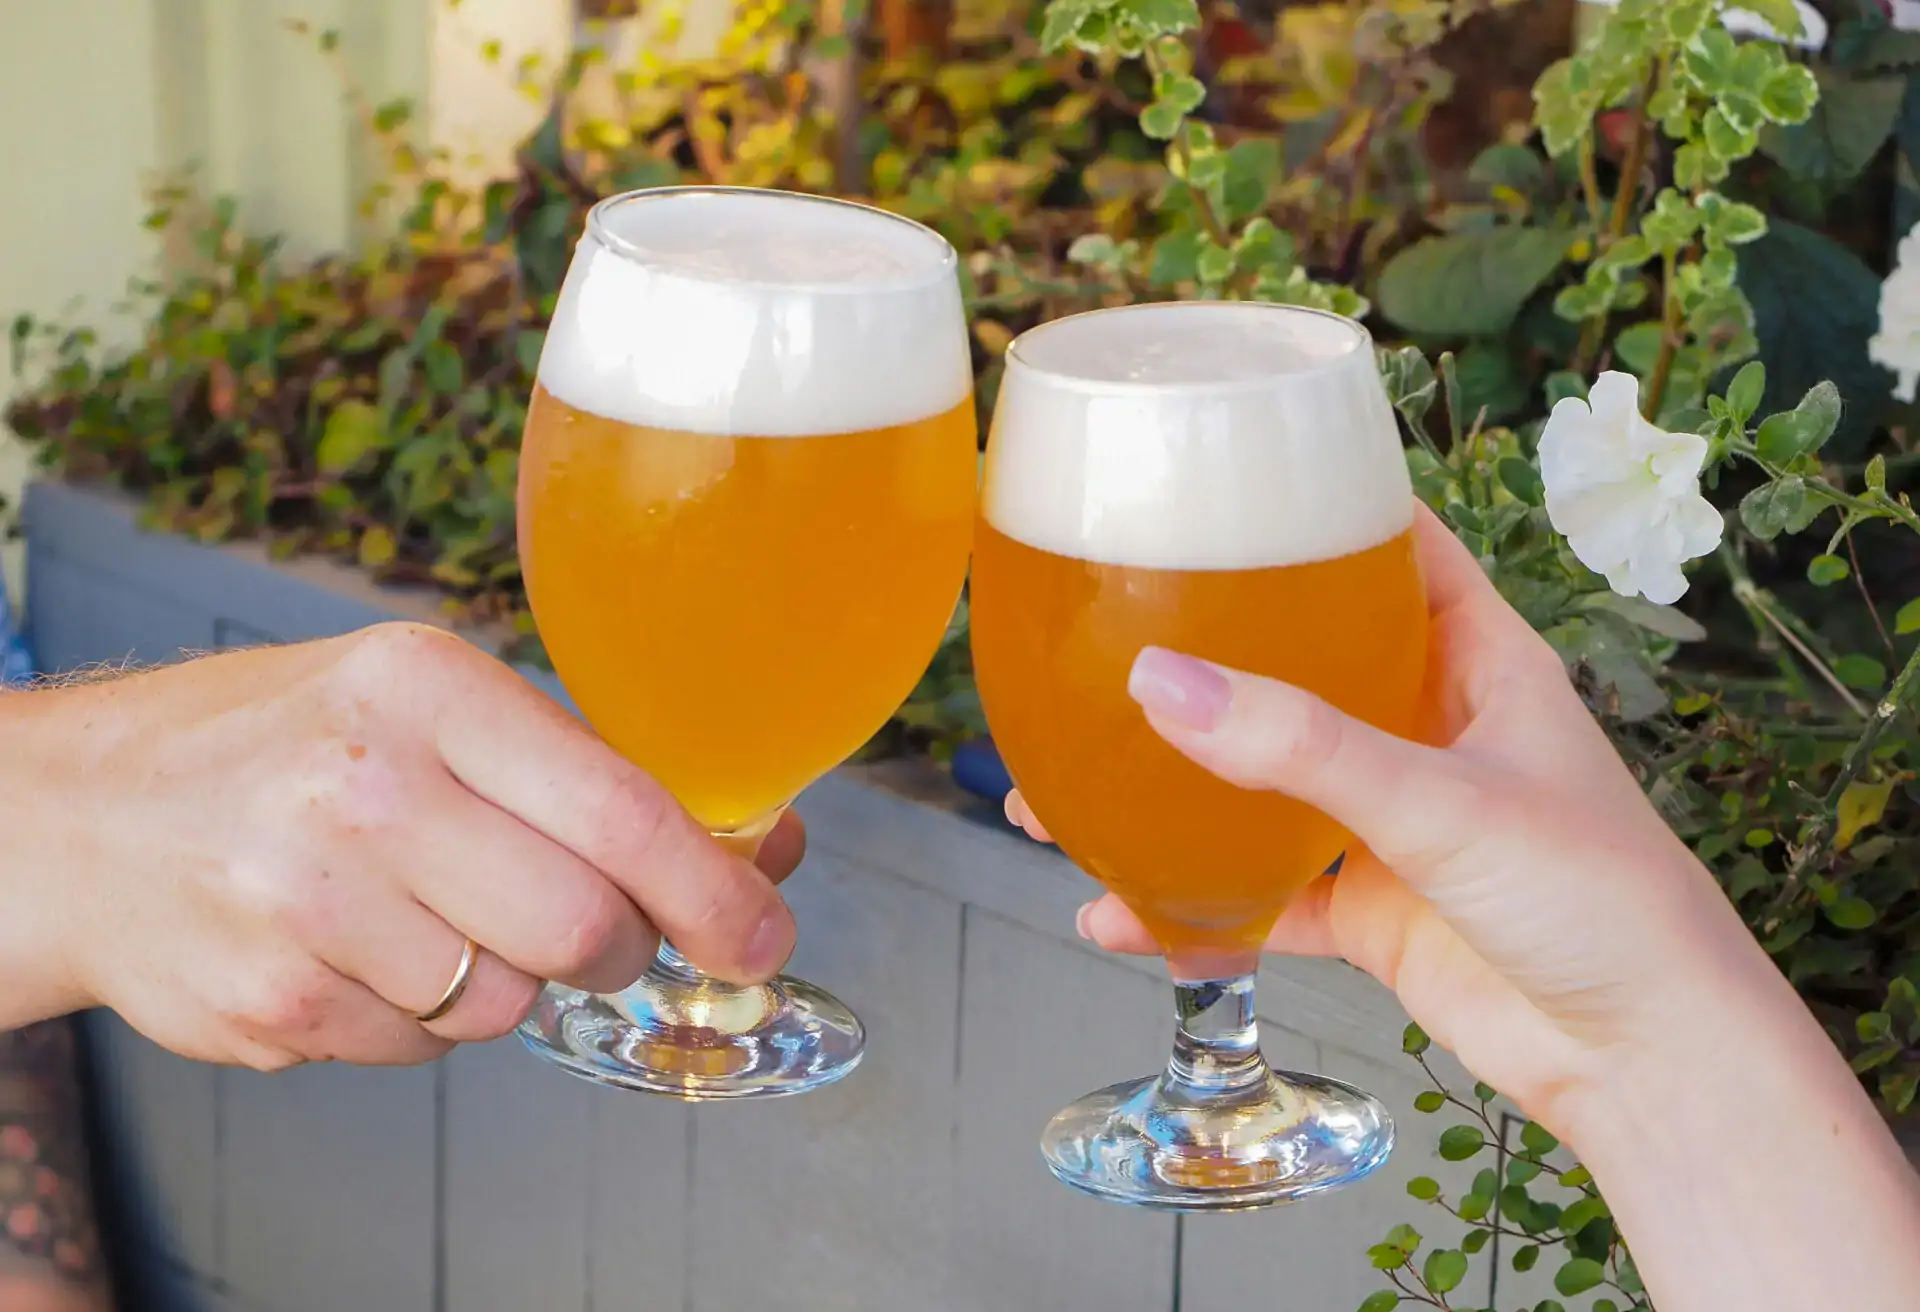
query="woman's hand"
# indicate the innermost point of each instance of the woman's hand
(275, 856)
(1510, 883)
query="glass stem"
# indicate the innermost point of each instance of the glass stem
(1216, 1048)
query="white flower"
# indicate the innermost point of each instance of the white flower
(1626, 494)
(1897, 345)
(1813, 24)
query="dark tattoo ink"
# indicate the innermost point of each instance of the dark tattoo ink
(47, 1222)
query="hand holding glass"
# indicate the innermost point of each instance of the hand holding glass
(746, 503)
(1224, 480)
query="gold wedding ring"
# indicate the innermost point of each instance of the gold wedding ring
(461, 974)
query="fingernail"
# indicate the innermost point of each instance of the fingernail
(1080, 919)
(1188, 691)
(770, 946)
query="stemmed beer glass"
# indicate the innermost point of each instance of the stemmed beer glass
(746, 502)
(1225, 480)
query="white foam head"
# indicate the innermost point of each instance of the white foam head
(1207, 435)
(757, 314)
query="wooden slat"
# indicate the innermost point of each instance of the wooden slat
(639, 1213)
(519, 1145)
(842, 1199)
(1042, 1025)
(328, 1188)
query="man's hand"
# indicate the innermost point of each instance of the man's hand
(273, 856)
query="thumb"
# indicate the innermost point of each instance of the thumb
(1414, 806)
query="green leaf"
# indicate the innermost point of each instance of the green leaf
(1802, 430)
(354, 431)
(1252, 168)
(1424, 1187)
(1414, 1040)
(1862, 672)
(1475, 1240)
(1159, 17)
(1161, 120)
(1724, 139)
(1781, 15)
(1522, 1171)
(1176, 258)
(1747, 390)
(1807, 339)
(1731, 223)
(1824, 571)
(377, 548)
(1578, 1276)
(1181, 90)
(1511, 166)
(1459, 1142)
(1381, 1300)
(1385, 1257)
(1063, 21)
(1525, 1256)
(1851, 913)
(1697, 168)
(1849, 123)
(1214, 266)
(1582, 1213)
(1536, 1140)
(1790, 94)
(1576, 1177)
(1873, 1027)
(391, 115)
(1469, 284)
(1429, 1101)
(1445, 1268)
(1767, 511)
(1907, 619)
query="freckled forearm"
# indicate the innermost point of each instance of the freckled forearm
(50, 1253)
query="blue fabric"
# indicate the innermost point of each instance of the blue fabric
(15, 665)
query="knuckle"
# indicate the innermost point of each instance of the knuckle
(1310, 738)
(590, 935)
(289, 1003)
(383, 660)
(268, 1060)
(634, 819)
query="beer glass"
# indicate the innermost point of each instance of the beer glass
(1224, 480)
(747, 494)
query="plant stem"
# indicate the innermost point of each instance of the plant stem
(1638, 147)
(1756, 602)
(1818, 844)
(1626, 191)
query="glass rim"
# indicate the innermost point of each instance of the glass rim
(946, 266)
(1362, 343)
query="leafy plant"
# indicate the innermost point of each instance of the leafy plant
(1568, 1231)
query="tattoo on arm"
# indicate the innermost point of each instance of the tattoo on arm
(47, 1225)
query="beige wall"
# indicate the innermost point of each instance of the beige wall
(76, 117)
(98, 97)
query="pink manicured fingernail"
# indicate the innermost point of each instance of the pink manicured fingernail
(1080, 918)
(1185, 690)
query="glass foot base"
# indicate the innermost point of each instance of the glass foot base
(1282, 1137)
(698, 1039)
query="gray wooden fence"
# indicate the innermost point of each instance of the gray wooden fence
(489, 1182)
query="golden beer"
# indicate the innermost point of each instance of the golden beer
(1223, 481)
(1226, 481)
(739, 614)
(1208, 867)
(747, 495)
